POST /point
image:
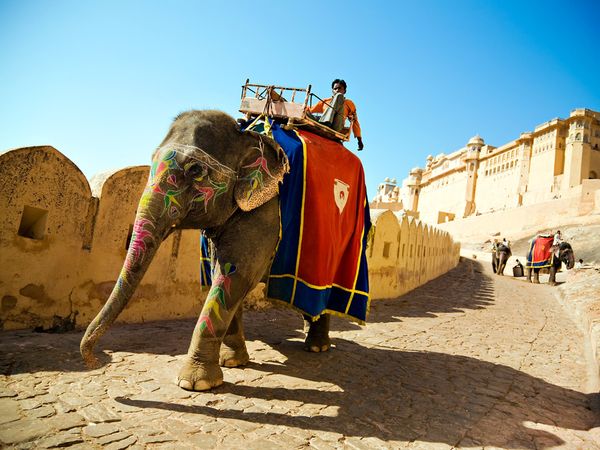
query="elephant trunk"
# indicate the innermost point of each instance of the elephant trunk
(145, 240)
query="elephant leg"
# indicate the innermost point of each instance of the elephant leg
(243, 248)
(536, 276)
(552, 279)
(233, 350)
(528, 274)
(317, 334)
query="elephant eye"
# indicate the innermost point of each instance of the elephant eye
(196, 170)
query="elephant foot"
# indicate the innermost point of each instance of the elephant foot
(536, 281)
(233, 357)
(195, 376)
(553, 283)
(317, 337)
(315, 347)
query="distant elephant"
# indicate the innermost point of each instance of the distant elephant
(500, 258)
(208, 174)
(565, 254)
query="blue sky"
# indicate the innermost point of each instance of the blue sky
(102, 80)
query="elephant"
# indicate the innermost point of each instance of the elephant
(500, 258)
(208, 174)
(565, 254)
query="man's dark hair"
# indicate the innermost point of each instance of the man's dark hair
(340, 82)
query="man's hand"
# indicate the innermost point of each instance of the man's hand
(360, 144)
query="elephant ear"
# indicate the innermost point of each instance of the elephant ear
(261, 168)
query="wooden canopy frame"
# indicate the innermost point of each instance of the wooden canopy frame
(270, 100)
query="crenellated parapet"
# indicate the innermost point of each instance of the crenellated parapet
(63, 241)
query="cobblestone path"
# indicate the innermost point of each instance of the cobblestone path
(468, 360)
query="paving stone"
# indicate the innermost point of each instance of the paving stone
(62, 439)
(150, 386)
(10, 410)
(100, 429)
(114, 437)
(125, 443)
(98, 413)
(24, 431)
(7, 392)
(153, 439)
(75, 400)
(204, 441)
(67, 421)
(42, 412)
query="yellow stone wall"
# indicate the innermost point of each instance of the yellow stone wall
(446, 194)
(582, 201)
(403, 253)
(63, 241)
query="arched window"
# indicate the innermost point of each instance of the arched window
(593, 175)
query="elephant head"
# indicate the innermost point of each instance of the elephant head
(205, 171)
(503, 253)
(566, 255)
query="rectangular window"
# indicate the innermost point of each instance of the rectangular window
(386, 249)
(33, 223)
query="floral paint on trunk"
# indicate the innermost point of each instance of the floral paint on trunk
(216, 299)
(137, 247)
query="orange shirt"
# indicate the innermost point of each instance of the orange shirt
(349, 112)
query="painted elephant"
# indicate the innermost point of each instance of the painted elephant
(208, 174)
(565, 255)
(500, 258)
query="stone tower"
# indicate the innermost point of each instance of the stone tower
(414, 186)
(578, 152)
(472, 165)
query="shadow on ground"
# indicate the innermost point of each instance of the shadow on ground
(377, 392)
(465, 287)
(398, 395)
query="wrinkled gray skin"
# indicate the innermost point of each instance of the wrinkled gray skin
(500, 258)
(565, 255)
(237, 207)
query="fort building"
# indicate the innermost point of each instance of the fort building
(559, 159)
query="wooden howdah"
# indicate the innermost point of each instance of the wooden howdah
(272, 101)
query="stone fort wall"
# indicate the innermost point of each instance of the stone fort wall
(558, 160)
(63, 241)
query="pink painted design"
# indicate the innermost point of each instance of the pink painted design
(216, 297)
(172, 180)
(225, 279)
(137, 245)
(205, 193)
(205, 323)
(260, 163)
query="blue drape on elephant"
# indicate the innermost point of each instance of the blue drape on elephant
(205, 267)
(320, 264)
